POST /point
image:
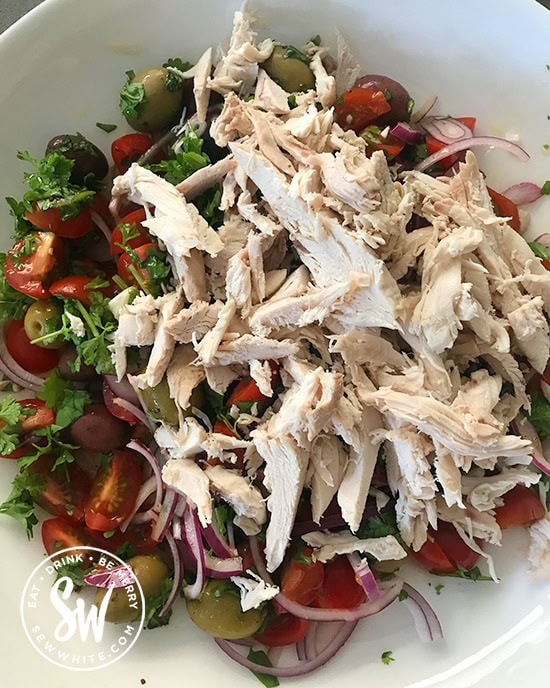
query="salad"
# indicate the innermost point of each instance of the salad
(288, 340)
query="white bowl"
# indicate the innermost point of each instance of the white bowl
(62, 68)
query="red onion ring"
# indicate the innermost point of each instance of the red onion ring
(167, 510)
(364, 576)
(222, 568)
(464, 144)
(446, 129)
(122, 389)
(406, 132)
(523, 193)
(136, 411)
(543, 238)
(178, 574)
(193, 538)
(12, 369)
(145, 491)
(101, 224)
(423, 110)
(140, 448)
(217, 543)
(427, 624)
(300, 669)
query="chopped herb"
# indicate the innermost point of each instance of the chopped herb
(223, 515)
(108, 534)
(340, 100)
(403, 595)
(173, 80)
(17, 211)
(471, 574)
(12, 302)
(316, 40)
(126, 551)
(106, 127)
(10, 410)
(74, 571)
(10, 413)
(67, 401)
(541, 251)
(410, 107)
(545, 188)
(438, 588)
(293, 53)
(300, 557)
(26, 486)
(153, 606)
(540, 415)
(132, 95)
(546, 146)
(183, 164)
(387, 94)
(291, 100)
(50, 442)
(260, 657)
(378, 526)
(387, 657)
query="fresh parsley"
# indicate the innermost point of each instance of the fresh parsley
(260, 657)
(223, 514)
(50, 186)
(132, 95)
(173, 80)
(126, 551)
(26, 486)
(10, 413)
(379, 526)
(473, 574)
(403, 595)
(545, 188)
(316, 40)
(387, 657)
(541, 251)
(67, 401)
(154, 605)
(180, 165)
(438, 588)
(293, 53)
(540, 415)
(108, 128)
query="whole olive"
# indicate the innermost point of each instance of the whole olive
(67, 357)
(160, 107)
(98, 430)
(289, 72)
(88, 159)
(41, 318)
(159, 403)
(397, 96)
(218, 612)
(151, 573)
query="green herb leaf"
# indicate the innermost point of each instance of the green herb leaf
(387, 657)
(438, 588)
(541, 251)
(473, 574)
(179, 166)
(540, 415)
(10, 410)
(316, 40)
(403, 595)
(174, 81)
(26, 486)
(260, 657)
(62, 396)
(154, 605)
(223, 515)
(293, 53)
(12, 302)
(126, 551)
(132, 95)
(378, 526)
(106, 127)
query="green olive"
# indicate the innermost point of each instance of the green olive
(289, 72)
(151, 572)
(218, 612)
(160, 404)
(43, 316)
(160, 107)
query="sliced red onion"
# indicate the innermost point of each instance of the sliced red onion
(12, 369)
(523, 193)
(136, 411)
(311, 648)
(446, 129)
(138, 446)
(425, 619)
(167, 510)
(230, 536)
(543, 238)
(145, 491)
(522, 426)
(217, 542)
(122, 389)
(145, 517)
(101, 224)
(222, 568)
(192, 531)
(300, 669)
(404, 131)
(423, 110)
(300, 650)
(364, 576)
(178, 574)
(464, 144)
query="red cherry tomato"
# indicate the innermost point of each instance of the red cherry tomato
(31, 274)
(128, 149)
(301, 582)
(360, 107)
(433, 145)
(60, 533)
(50, 220)
(247, 389)
(114, 492)
(340, 590)
(446, 551)
(135, 219)
(115, 410)
(75, 287)
(283, 629)
(131, 272)
(223, 429)
(66, 489)
(504, 207)
(521, 508)
(41, 417)
(31, 357)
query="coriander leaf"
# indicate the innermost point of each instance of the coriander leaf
(153, 606)
(301, 558)
(541, 251)
(545, 188)
(26, 486)
(180, 165)
(50, 442)
(473, 574)
(378, 526)
(132, 95)
(126, 551)
(106, 127)
(403, 595)
(223, 514)
(260, 657)
(387, 657)
(17, 211)
(540, 415)
(12, 302)
(10, 410)
(316, 40)
(438, 588)
(293, 53)
(73, 571)
(62, 396)
(208, 205)
(174, 80)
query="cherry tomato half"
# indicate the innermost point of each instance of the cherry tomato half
(340, 589)
(76, 287)
(504, 207)
(360, 107)
(248, 390)
(223, 429)
(41, 415)
(60, 533)
(33, 358)
(128, 149)
(29, 270)
(302, 580)
(66, 489)
(283, 629)
(50, 220)
(114, 492)
(521, 508)
(134, 219)
(446, 551)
